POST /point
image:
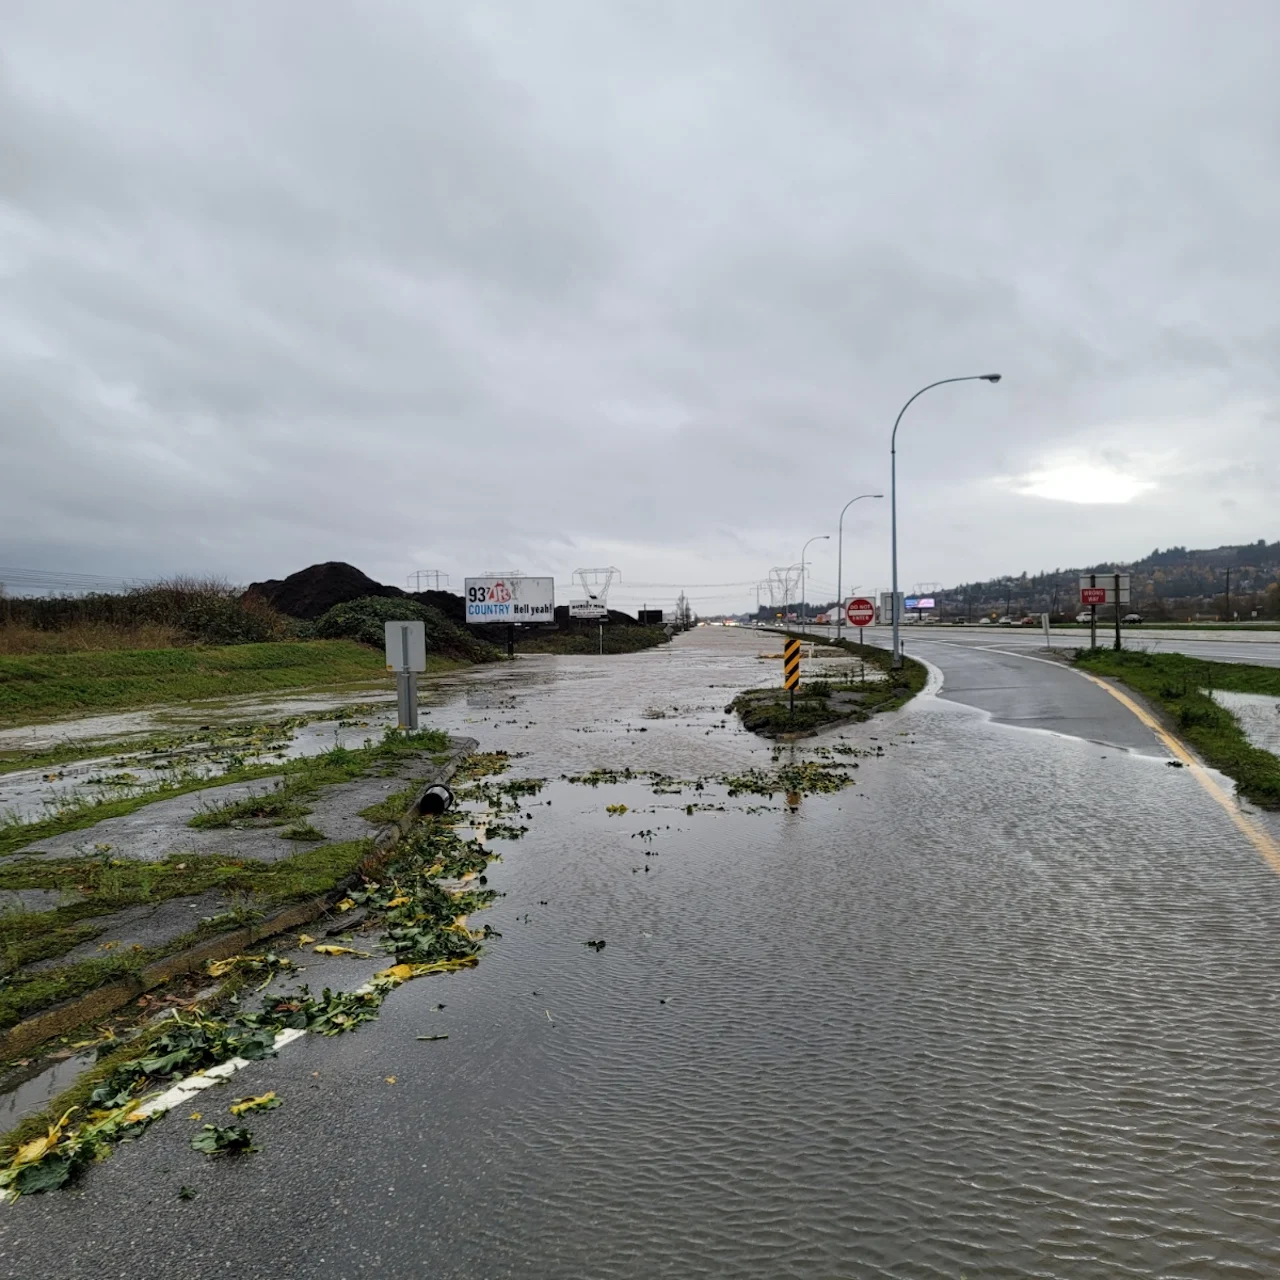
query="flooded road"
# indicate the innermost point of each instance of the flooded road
(1004, 1008)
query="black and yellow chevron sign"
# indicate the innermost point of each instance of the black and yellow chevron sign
(791, 665)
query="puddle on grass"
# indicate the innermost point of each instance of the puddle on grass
(33, 1094)
(29, 794)
(1259, 716)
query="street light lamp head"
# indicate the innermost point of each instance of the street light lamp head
(989, 377)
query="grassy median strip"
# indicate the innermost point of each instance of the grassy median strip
(254, 890)
(1179, 686)
(822, 702)
(36, 687)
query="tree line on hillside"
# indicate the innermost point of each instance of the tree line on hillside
(1171, 585)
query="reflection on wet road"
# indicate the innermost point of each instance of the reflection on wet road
(1005, 1008)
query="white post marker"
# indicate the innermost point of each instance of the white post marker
(1044, 622)
(406, 656)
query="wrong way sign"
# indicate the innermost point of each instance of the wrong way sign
(860, 612)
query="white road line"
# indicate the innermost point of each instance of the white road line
(185, 1090)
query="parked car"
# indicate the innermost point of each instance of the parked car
(1006, 622)
(984, 622)
(1132, 620)
(1084, 617)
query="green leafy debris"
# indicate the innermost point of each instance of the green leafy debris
(223, 1140)
(425, 931)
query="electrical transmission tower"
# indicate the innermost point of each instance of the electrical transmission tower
(784, 586)
(596, 583)
(431, 577)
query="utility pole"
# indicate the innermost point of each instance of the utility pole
(893, 495)
(840, 561)
(817, 537)
(1228, 595)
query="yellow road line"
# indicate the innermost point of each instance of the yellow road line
(1261, 839)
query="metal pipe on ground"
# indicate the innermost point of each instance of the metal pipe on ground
(435, 800)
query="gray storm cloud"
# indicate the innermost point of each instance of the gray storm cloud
(469, 285)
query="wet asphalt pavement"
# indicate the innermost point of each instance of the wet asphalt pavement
(1260, 648)
(1005, 1008)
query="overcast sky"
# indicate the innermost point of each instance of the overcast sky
(556, 283)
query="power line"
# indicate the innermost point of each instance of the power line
(44, 579)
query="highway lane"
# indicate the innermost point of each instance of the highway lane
(1004, 1008)
(1022, 690)
(1260, 651)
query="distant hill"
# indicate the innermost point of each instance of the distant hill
(1172, 584)
(313, 591)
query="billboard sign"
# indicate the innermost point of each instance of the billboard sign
(588, 609)
(510, 599)
(919, 602)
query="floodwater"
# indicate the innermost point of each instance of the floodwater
(1259, 716)
(1005, 1008)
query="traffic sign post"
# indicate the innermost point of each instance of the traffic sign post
(406, 656)
(861, 613)
(1103, 588)
(791, 669)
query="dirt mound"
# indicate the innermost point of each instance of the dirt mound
(312, 592)
(453, 607)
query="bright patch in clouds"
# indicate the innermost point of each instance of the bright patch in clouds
(1081, 482)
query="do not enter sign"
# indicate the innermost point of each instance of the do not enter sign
(860, 612)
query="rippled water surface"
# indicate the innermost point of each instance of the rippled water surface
(1007, 1007)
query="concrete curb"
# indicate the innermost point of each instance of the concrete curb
(61, 1018)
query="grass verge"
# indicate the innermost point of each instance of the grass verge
(819, 703)
(43, 686)
(1176, 684)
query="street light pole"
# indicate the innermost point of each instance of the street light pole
(840, 561)
(893, 495)
(817, 537)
